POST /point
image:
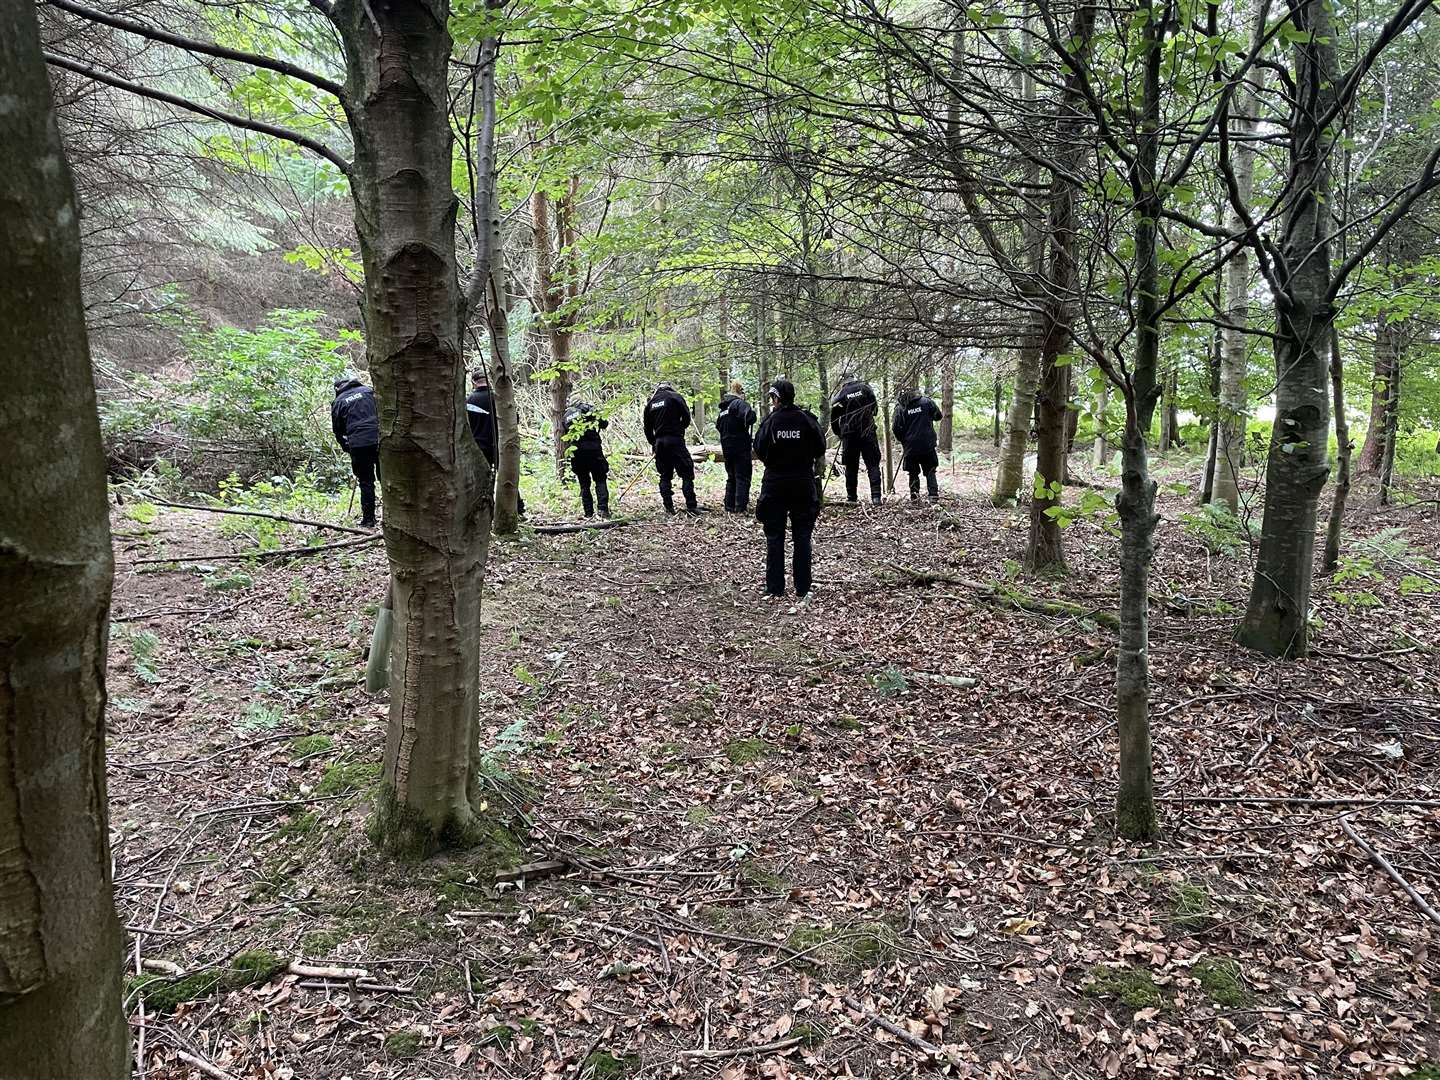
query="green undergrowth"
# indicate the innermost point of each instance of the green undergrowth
(489, 840)
(306, 745)
(402, 1044)
(1134, 987)
(164, 993)
(344, 777)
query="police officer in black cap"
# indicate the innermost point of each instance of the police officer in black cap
(852, 417)
(734, 421)
(357, 429)
(914, 428)
(583, 425)
(666, 418)
(480, 411)
(792, 446)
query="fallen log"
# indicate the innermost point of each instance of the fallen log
(1007, 596)
(315, 549)
(261, 514)
(581, 526)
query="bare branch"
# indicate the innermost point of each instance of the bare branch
(235, 120)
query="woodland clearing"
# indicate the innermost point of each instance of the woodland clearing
(775, 843)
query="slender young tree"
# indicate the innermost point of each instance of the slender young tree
(60, 944)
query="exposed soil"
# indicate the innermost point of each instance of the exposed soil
(779, 825)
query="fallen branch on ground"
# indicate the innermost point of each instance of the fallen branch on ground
(1004, 596)
(581, 526)
(743, 1051)
(1295, 800)
(543, 869)
(203, 1065)
(314, 549)
(261, 514)
(1394, 875)
(325, 971)
(894, 1029)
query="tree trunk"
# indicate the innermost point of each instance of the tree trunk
(947, 403)
(1392, 434)
(1231, 412)
(762, 337)
(1333, 527)
(1101, 449)
(886, 410)
(502, 384)
(1277, 616)
(1387, 350)
(1015, 435)
(997, 413)
(1207, 485)
(1045, 550)
(60, 943)
(1170, 413)
(437, 505)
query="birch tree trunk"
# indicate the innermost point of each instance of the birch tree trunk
(437, 505)
(1333, 527)
(1101, 449)
(60, 943)
(1277, 617)
(1231, 412)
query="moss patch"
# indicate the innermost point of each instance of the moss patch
(1134, 987)
(343, 777)
(603, 1065)
(744, 751)
(402, 1044)
(164, 993)
(1222, 982)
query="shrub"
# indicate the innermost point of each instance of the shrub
(259, 396)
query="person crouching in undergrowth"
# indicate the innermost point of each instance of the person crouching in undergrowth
(791, 445)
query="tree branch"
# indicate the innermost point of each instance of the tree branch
(154, 33)
(314, 146)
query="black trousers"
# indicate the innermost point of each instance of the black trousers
(852, 449)
(738, 470)
(925, 461)
(672, 456)
(797, 502)
(365, 464)
(519, 499)
(592, 465)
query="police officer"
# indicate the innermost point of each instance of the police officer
(666, 418)
(914, 428)
(852, 417)
(587, 456)
(480, 411)
(734, 421)
(791, 445)
(357, 429)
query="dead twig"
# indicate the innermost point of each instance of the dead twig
(895, 1029)
(1385, 865)
(1289, 800)
(278, 553)
(262, 514)
(204, 1066)
(582, 526)
(776, 1047)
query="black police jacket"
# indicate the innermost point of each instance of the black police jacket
(852, 410)
(734, 420)
(480, 411)
(353, 417)
(914, 422)
(789, 442)
(666, 416)
(583, 426)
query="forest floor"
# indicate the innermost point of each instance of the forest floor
(796, 843)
